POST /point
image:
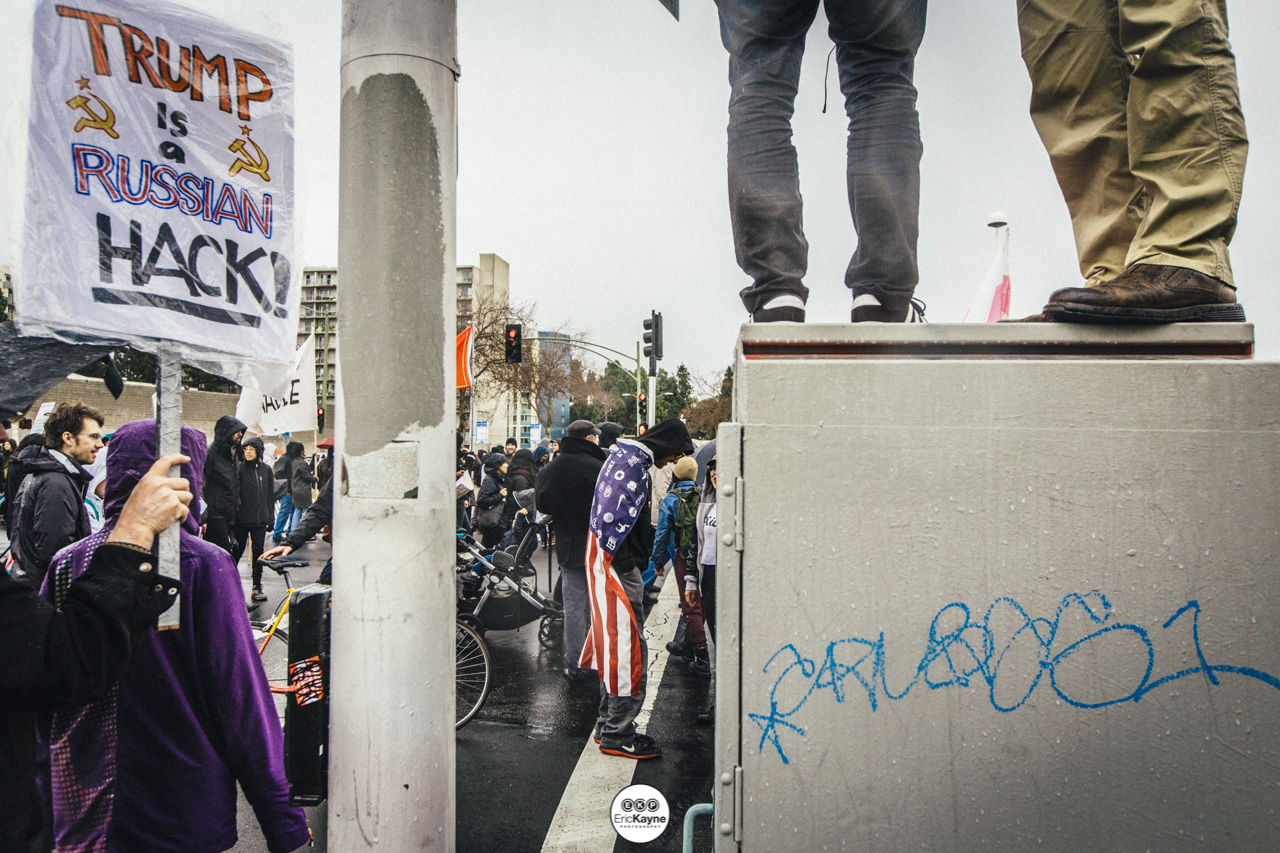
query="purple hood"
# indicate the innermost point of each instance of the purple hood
(154, 766)
(131, 454)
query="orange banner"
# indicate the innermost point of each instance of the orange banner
(465, 342)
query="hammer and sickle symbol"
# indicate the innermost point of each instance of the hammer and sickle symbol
(106, 123)
(244, 160)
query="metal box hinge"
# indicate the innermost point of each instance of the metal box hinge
(737, 514)
(731, 824)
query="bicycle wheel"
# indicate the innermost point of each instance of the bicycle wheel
(472, 679)
(275, 656)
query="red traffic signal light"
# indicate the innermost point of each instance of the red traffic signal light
(514, 341)
(642, 429)
(641, 396)
(320, 418)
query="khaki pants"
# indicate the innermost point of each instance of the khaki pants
(1137, 104)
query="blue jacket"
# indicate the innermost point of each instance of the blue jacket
(664, 541)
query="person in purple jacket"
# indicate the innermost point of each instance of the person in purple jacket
(154, 766)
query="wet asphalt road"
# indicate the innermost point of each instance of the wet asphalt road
(516, 758)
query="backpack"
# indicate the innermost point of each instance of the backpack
(686, 522)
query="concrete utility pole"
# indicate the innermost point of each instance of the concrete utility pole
(391, 768)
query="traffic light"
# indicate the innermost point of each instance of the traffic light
(642, 410)
(515, 335)
(319, 418)
(642, 429)
(653, 340)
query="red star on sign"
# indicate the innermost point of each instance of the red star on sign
(245, 129)
(83, 82)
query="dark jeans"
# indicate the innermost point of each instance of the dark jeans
(876, 43)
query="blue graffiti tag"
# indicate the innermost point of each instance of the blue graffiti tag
(954, 656)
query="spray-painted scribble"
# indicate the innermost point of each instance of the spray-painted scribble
(959, 650)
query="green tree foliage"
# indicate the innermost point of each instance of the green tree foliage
(675, 393)
(705, 416)
(137, 366)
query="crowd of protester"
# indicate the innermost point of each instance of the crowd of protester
(609, 557)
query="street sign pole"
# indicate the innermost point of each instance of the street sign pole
(393, 627)
(653, 400)
(169, 440)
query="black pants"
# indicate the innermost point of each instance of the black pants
(218, 531)
(255, 536)
(709, 600)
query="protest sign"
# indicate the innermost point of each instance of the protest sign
(46, 409)
(288, 402)
(160, 181)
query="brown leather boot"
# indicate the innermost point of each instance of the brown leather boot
(1149, 293)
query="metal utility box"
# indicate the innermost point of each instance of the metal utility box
(306, 714)
(1003, 587)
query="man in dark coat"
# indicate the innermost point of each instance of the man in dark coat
(50, 502)
(257, 500)
(221, 493)
(73, 655)
(300, 479)
(564, 491)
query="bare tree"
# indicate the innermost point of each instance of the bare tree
(490, 374)
(548, 380)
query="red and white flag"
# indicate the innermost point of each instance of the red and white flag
(991, 300)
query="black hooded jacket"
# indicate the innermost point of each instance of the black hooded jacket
(63, 659)
(564, 492)
(257, 489)
(221, 493)
(50, 511)
(491, 488)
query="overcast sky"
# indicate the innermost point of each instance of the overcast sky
(592, 136)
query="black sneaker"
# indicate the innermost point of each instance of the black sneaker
(867, 309)
(699, 664)
(639, 737)
(679, 650)
(258, 594)
(639, 748)
(786, 308)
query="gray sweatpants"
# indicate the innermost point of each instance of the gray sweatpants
(616, 722)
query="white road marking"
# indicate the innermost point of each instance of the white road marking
(581, 823)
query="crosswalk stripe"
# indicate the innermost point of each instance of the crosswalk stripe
(581, 823)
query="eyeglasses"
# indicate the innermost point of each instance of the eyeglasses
(92, 436)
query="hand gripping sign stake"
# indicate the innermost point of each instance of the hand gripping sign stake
(169, 440)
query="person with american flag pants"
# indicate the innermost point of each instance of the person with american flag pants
(619, 540)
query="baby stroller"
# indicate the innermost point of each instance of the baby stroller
(498, 590)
